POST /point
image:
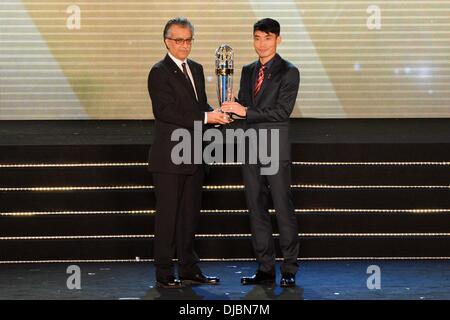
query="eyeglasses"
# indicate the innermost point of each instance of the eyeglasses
(182, 41)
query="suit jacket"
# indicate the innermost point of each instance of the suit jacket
(273, 105)
(174, 106)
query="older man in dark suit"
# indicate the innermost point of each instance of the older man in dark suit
(267, 95)
(177, 89)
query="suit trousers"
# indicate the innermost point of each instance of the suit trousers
(178, 204)
(258, 189)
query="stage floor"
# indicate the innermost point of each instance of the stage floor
(302, 130)
(316, 280)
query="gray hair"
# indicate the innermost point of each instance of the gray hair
(179, 21)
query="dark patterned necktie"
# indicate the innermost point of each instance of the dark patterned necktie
(187, 77)
(259, 81)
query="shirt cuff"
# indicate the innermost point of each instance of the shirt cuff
(205, 121)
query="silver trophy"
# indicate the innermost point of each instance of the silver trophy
(224, 72)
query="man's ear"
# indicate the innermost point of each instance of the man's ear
(279, 39)
(165, 43)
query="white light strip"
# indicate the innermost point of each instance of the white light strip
(417, 234)
(39, 189)
(139, 260)
(77, 261)
(225, 211)
(374, 258)
(331, 258)
(119, 236)
(310, 186)
(224, 187)
(325, 210)
(422, 234)
(427, 163)
(74, 165)
(144, 164)
(373, 210)
(40, 213)
(220, 187)
(238, 235)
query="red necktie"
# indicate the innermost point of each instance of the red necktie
(259, 81)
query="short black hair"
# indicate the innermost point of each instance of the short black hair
(179, 21)
(267, 25)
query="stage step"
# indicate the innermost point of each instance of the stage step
(95, 202)
(102, 174)
(143, 198)
(331, 247)
(215, 223)
(313, 152)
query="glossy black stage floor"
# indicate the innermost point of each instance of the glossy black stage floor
(316, 280)
(78, 191)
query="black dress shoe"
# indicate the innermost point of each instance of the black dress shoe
(170, 283)
(260, 277)
(199, 278)
(287, 280)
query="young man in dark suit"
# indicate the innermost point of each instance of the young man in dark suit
(177, 89)
(267, 95)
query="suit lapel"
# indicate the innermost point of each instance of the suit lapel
(268, 78)
(178, 74)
